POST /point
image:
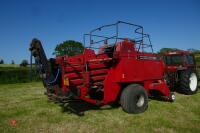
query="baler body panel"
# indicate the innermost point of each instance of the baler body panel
(88, 70)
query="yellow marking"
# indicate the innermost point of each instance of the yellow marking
(66, 81)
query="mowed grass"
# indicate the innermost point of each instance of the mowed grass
(24, 108)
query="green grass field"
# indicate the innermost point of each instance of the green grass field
(32, 112)
(25, 108)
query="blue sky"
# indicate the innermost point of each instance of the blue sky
(171, 23)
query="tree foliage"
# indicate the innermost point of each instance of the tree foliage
(195, 51)
(69, 48)
(165, 50)
(1, 61)
(13, 62)
(24, 63)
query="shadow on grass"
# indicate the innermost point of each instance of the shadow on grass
(79, 107)
(179, 91)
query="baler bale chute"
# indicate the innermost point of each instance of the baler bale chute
(118, 72)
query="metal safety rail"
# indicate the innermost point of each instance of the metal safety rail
(137, 30)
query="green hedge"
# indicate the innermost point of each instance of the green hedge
(17, 75)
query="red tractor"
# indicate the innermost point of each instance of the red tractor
(118, 71)
(181, 71)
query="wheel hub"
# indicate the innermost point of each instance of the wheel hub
(193, 82)
(140, 101)
(173, 97)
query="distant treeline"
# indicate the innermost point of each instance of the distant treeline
(164, 50)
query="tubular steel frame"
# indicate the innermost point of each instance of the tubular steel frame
(139, 30)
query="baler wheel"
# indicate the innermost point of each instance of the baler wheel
(188, 82)
(134, 99)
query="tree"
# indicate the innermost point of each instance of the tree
(164, 50)
(69, 48)
(24, 63)
(1, 61)
(195, 51)
(12, 62)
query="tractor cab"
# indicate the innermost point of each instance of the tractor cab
(181, 71)
(179, 60)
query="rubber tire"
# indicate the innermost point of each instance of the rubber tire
(185, 81)
(129, 99)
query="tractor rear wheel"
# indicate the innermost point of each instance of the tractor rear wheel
(134, 99)
(188, 82)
